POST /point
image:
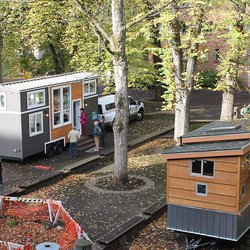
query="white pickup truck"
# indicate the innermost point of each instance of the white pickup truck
(106, 108)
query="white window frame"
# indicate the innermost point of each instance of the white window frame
(201, 174)
(4, 98)
(36, 132)
(89, 83)
(36, 104)
(196, 189)
(61, 124)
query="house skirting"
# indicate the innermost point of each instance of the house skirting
(210, 223)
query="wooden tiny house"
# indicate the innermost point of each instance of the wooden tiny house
(208, 181)
(37, 114)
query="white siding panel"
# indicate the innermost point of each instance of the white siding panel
(10, 135)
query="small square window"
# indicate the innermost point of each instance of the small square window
(201, 189)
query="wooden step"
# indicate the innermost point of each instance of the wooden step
(85, 144)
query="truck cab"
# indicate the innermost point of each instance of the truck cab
(106, 108)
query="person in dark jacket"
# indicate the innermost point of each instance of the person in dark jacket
(103, 129)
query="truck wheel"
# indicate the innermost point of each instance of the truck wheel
(50, 150)
(59, 147)
(140, 115)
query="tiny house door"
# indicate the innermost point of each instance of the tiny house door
(76, 114)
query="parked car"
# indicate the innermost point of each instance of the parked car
(106, 108)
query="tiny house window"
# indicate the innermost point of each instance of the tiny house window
(36, 99)
(202, 167)
(201, 189)
(61, 106)
(36, 123)
(2, 101)
(89, 87)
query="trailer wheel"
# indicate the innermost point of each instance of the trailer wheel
(59, 147)
(140, 115)
(50, 150)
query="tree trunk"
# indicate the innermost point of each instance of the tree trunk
(58, 59)
(120, 127)
(159, 91)
(1, 57)
(182, 115)
(227, 106)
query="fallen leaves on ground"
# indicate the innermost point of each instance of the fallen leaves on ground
(16, 231)
(155, 236)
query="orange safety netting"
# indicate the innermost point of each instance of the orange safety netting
(42, 212)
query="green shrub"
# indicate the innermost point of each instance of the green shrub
(208, 79)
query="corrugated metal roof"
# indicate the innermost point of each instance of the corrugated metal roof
(45, 81)
(208, 146)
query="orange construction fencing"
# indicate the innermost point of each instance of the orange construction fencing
(46, 212)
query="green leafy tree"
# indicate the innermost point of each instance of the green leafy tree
(44, 28)
(183, 26)
(235, 30)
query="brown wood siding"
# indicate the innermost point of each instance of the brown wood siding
(244, 200)
(205, 205)
(61, 132)
(222, 188)
(76, 90)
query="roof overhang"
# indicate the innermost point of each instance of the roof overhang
(202, 154)
(214, 138)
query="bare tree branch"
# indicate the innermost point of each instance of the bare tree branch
(243, 10)
(152, 14)
(94, 21)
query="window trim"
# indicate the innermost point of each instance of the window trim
(196, 189)
(35, 105)
(201, 174)
(36, 133)
(88, 83)
(62, 124)
(4, 98)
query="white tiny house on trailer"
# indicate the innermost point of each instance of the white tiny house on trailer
(37, 114)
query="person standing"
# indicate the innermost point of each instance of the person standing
(96, 134)
(1, 178)
(83, 120)
(73, 137)
(103, 129)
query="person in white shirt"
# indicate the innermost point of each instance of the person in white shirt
(73, 138)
